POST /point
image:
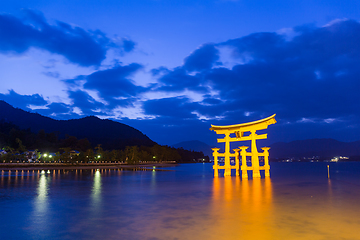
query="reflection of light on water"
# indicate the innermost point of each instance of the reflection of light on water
(16, 176)
(22, 177)
(40, 215)
(242, 208)
(9, 178)
(223, 208)
(257, 208)
(96, 189)
(42, 194)
(330, 188)
(153, 179)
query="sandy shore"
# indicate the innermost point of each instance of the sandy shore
(52, 166)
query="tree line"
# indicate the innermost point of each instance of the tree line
(21, 145)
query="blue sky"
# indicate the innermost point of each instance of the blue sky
(172, 68)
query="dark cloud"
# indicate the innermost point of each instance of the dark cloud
(202, 58)
(86, 48)
(23, 101)
(85, 102)
(184, 108)
(58, 108)
(175, 107)
(311, 81)
(112, 85)
(60, 111)
(257, 47)
(159, 71)
(179, 80)
(55, 110)
(74, 82)
(114, 82)
(315, 74)
(128, 45)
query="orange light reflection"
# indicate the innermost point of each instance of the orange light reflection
(243, 208)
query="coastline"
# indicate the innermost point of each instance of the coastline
(84, 166)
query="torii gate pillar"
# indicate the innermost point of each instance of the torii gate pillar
(239, 130)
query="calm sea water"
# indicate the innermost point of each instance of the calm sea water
(297, 202)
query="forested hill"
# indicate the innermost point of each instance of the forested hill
(108, 133)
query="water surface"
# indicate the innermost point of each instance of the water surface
(297, 202)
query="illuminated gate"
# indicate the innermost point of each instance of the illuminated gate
(243, 132)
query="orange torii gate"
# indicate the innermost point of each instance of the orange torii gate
(239, 130)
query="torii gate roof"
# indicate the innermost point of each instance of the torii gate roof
(261, 123)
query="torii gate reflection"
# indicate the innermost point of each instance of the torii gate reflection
(239, 130)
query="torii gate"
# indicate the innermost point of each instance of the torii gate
(239, 130)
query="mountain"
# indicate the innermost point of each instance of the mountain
(325, 148)
(195, 146)
(111, 134)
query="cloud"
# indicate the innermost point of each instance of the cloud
(188, 76)
(114, 82)
(85, 102)
(257, 47)
(202, 58)
(314, 74)
(57, 110)
(128, 45)
(178, 80)
(183, 108)
(23, 101)
(176, 107)
(310, 80)
(114, 88)
(79, 46)
(52, 74)
(167, 130)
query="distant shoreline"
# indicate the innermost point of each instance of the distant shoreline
(53, 166)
